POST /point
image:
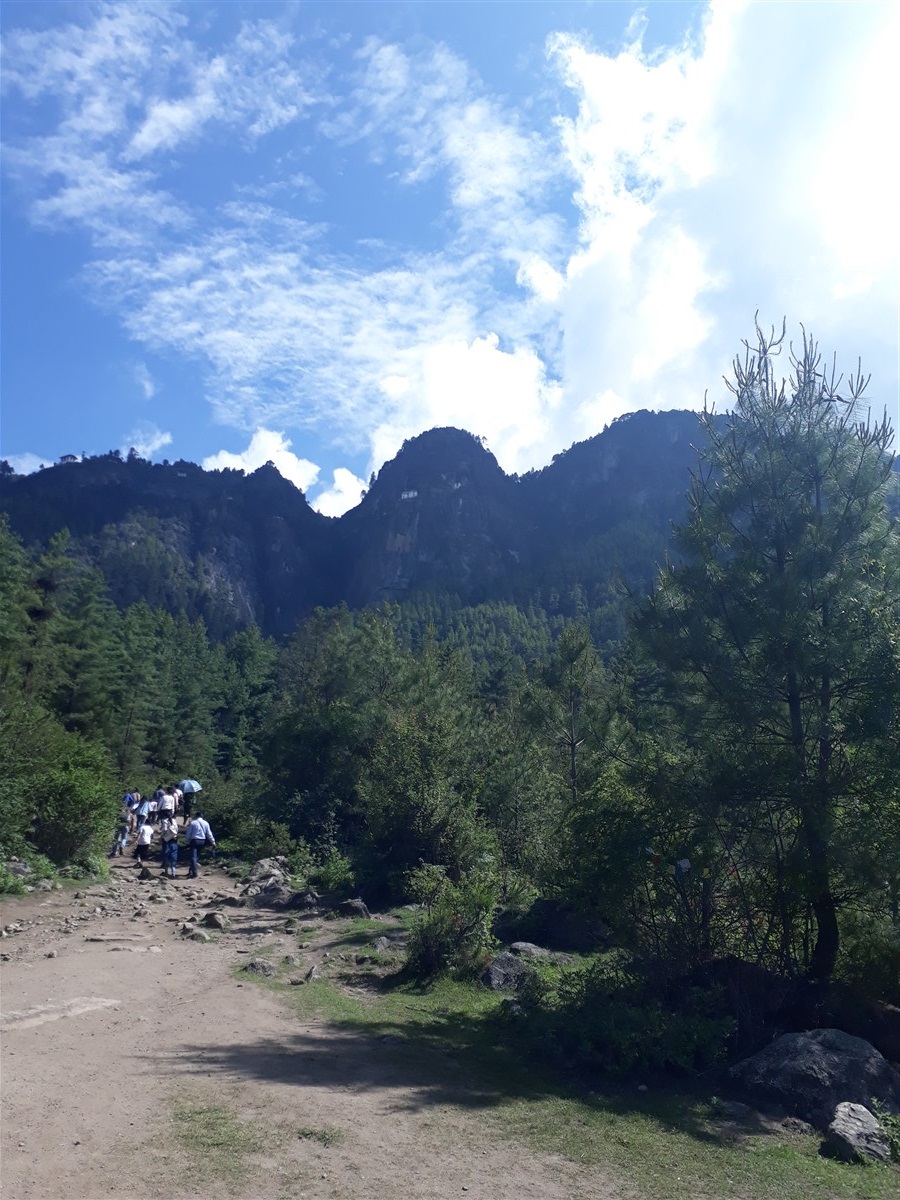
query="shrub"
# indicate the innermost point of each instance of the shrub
(605, 1016)
(453, 929)
(333, 872)
(869, 961)
(57, 791)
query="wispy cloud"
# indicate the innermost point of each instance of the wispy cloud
(144, 380)
(28, 463)
(146, 439)
(571, 269)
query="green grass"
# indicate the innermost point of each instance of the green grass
(328, 1136)
(218, 1142)
(452, 1043)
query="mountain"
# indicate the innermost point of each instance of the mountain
(441, 517)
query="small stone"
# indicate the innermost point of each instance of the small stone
(51, 954)
(199, 935)
(642, 1087)
(312, 973)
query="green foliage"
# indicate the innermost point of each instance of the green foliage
(10, 884)
(453, 929)
(869, 961)
(890, 1123)
(57, 792)
(604, 1015)
(777, 646)
(333, 872)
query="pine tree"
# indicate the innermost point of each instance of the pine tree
(779, 631)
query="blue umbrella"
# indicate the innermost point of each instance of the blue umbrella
(189, 786)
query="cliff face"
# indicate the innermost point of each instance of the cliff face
(440, 517)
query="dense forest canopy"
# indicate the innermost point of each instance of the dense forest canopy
(706, 769)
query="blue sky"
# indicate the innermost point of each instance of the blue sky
(304, 232)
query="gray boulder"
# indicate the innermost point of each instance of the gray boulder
(354, 908)
(856, 1136)
(16, 867)
(504, 974)
(528, 950)
(809, 1074)
(216, 920)
(261, 966)
(265, 868)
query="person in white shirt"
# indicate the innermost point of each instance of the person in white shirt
(197, 835)
(144, 838)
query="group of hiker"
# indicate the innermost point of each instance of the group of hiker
(146, 817)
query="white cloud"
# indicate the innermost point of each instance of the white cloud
(146, 439)
(345, 493)
(741, 169)
(28, 463)
(267, 445)
(144, 380)
(502, 395)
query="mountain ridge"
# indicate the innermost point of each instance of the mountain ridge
(441, 516)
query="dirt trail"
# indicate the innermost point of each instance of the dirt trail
(113, 1023)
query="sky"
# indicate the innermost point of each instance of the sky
(303, 232)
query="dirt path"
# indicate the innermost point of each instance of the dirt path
(117, 1031)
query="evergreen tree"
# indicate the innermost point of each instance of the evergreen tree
(779, 632)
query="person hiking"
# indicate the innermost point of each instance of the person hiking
(142, 812)
(123, 828)
(167, 803)
(168, 832)
(197, 835)
(144, 838)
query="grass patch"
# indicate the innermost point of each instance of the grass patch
(360, 932)
(664, 1142)
(218, 1143)
(328, 1136)
(449, 1041)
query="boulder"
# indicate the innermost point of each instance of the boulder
(504, 973)
(809, 1074)
(261, 966)
(854, 1135)
(528, 950)
(15, 867)
(216, 920)
(354, 908)
(265, 868)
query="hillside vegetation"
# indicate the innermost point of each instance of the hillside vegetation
(693, 781)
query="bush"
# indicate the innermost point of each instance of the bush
(605, 1016)
(252, 840)
(453, 930)
(58, 795)
(333, 872)
(10, 885)
(869, 961)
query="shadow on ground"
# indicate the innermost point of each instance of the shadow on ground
(461, 1060)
